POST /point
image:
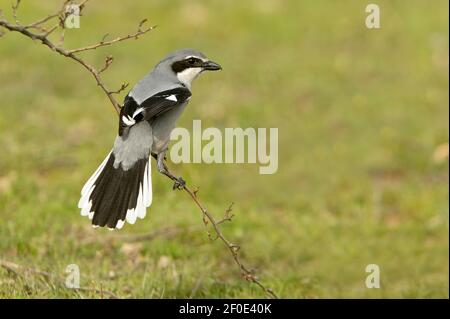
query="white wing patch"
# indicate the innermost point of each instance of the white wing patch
(128, 120)
(172, 97)
(139, 110)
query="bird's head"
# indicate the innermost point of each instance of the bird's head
(187, 64)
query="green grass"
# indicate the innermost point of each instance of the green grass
(360, 114)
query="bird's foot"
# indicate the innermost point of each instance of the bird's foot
(180, 183)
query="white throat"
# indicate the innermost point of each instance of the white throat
(188, 75)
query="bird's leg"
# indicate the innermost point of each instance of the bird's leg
(179, 182)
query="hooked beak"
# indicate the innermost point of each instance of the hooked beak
(211, 66)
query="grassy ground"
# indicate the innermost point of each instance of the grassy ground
(363, 172)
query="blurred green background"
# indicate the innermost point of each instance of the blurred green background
(363, 151)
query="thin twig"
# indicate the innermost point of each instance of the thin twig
(122, 87)
(43, 37)
(45, 41)
(15, 7)
(232, 248)
(103, 42)
(108, 61)
(228, 217)
(46, 34)
(37, 24)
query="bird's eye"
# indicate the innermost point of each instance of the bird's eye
(191, 61)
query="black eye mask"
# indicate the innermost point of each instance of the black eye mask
(182, 65)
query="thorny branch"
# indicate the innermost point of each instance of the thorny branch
(43, 32)
(103, 42)
(246, 273)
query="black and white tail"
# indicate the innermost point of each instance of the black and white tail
(113, 195)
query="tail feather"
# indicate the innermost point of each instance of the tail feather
(132, 203)
(124, 196)
(103, 194)
(112, 195)
(94, 176)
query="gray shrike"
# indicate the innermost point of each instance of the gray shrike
(121, 188)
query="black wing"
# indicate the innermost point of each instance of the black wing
(156, 105)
